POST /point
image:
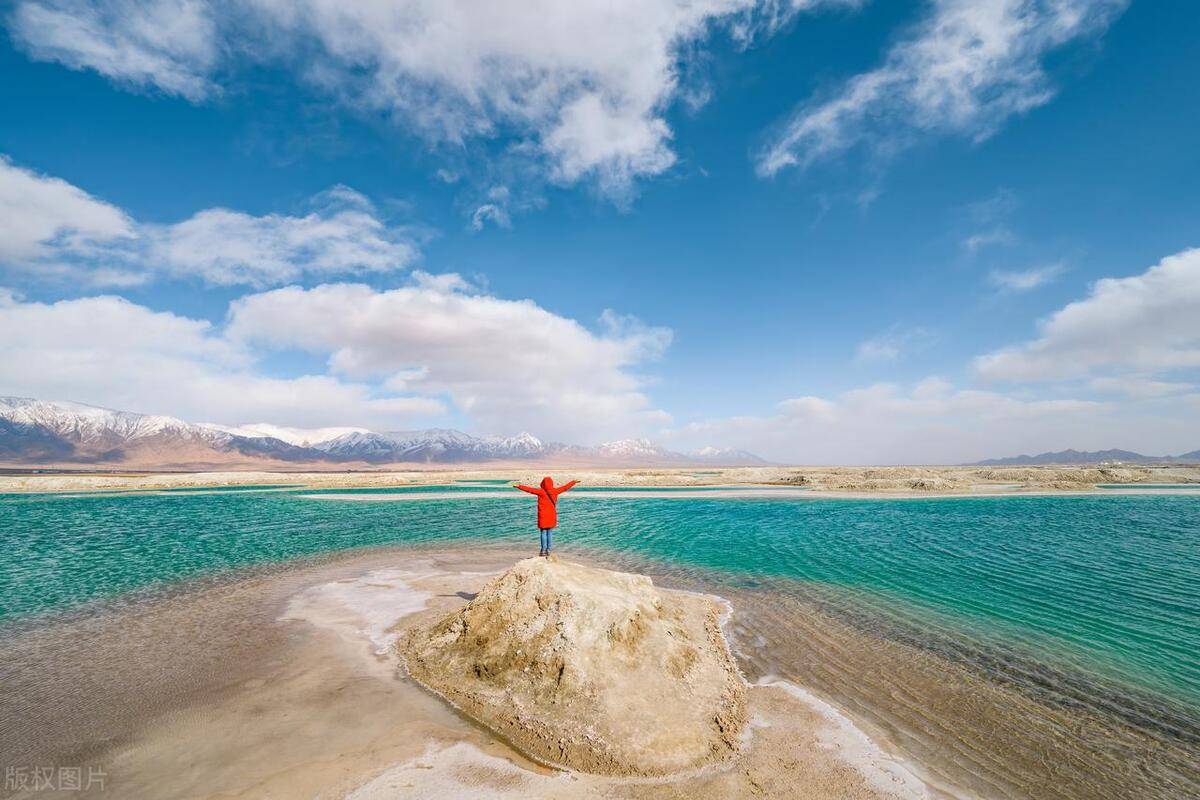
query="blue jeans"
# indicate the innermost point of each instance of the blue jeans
(546, 538)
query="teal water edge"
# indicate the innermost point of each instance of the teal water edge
(1152, 486)
(1110, 585)
(1031, 646)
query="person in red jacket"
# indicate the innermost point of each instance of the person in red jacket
(547, 518)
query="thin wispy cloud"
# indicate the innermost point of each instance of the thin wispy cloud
(894, 344)
(168, 45)
(1024, 280)
(989, 219)
(964, 70)
(994, 237)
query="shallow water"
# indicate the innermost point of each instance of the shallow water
(1155, 486)
(1019, 646)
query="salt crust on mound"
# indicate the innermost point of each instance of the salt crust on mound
(589, 669)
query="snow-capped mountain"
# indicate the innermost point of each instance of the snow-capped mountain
(643, 450)
(633, 448)
(94, 426)
(300, 437)
(431, 445)
(40, 431)
(434, 445)
(52, 432)
(727, 457)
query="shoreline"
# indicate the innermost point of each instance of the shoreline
(732, 493)
(338, 622)
(858, 483)
(243, 673)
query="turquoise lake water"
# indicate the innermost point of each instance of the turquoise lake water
(1107, 584)
(1080, 614)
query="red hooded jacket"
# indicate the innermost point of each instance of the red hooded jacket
(547, 495)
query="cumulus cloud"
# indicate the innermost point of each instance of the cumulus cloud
(342, 236)
(593, 136)
(964, 70)
(108, 351)
(589, 82)
(932, 422)
(585, 84)
(508, 364)
(1148, 324)
(1101, 361)
(56, 230)
(42, 215)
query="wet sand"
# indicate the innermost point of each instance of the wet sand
(286, 684)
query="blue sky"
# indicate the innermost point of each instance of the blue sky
(824, 231)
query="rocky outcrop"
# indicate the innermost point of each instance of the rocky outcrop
(589, 669)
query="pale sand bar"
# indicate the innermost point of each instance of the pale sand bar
(837, 481)
(289, 685)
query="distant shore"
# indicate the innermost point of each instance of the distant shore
(814, 481)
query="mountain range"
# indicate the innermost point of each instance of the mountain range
(1088, 457)
(56, 433)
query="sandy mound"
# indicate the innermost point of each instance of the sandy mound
(594, 670)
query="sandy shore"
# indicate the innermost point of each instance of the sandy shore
(833, 481)
(290, 686)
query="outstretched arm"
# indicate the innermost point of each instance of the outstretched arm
(566, 486)
(529, 489)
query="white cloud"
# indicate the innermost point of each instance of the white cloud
(932, 422)
(964, 70)
(583, 85)
(989, 238)
(1120, 340)
(111, 352)
(41, 215)
(509, 365)
(894, 344)
(495, 210)
(168, 44)
(589, 81)
(343, 236)
(809, 407)
(1139, 387)
(506, 364)
(614, 144)
(58, 231)
(1025, 279)
(989, 217)
(490, 212)
(1148, 323)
